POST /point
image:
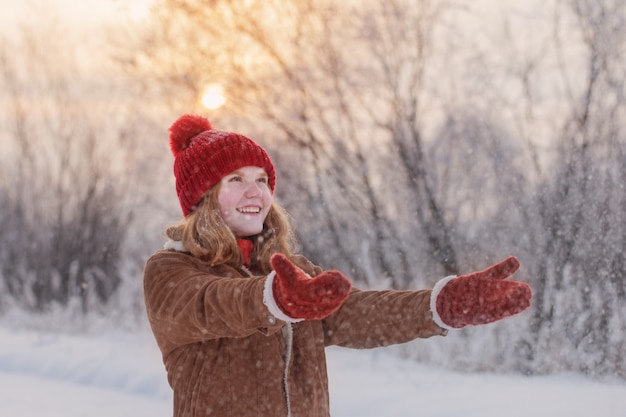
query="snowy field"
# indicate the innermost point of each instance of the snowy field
(120, 374)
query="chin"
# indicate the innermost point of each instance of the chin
(248, 233)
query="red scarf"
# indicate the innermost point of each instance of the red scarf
(246, 246)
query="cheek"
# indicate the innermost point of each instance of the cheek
(227, 202)
(267, 199)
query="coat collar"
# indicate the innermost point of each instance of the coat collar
(176, 245)
(246, 246)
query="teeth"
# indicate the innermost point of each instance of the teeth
(249, 210)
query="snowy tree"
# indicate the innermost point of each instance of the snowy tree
(63, 177)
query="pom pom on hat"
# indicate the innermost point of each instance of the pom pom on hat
(184, 129)
(203, 156)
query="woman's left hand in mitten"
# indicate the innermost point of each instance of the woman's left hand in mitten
(481, 297)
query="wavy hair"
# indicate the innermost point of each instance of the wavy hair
(206, 235)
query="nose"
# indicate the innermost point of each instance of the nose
(253, 190)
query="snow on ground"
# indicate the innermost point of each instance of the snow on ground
(120, 374)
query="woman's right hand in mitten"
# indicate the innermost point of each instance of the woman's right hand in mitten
(300, 296)
(481, 297)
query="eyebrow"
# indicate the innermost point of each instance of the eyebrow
(262, 173)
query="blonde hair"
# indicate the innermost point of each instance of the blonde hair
(206, 235)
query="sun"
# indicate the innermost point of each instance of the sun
(213, 97)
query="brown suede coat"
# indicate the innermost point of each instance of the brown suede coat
(226, 356)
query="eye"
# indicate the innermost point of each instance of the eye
(262, 180)
(235, 178)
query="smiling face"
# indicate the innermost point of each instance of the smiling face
(245, 199)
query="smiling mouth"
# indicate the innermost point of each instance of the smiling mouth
(249, 210)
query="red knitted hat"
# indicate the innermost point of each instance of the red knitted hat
(203, 156)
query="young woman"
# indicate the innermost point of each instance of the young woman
(242, 321)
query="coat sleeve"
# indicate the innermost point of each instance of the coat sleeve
(186, 304)
(370, 319)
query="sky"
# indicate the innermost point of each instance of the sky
(84, 13)
(81, 14)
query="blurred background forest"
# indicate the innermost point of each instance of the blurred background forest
(413, 139)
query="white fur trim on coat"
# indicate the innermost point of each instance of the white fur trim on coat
(270, 301)
(433, 301)
(176, 245)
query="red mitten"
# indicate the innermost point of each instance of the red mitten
(481, 297)
(300, 296)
